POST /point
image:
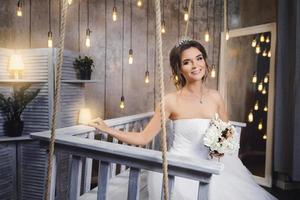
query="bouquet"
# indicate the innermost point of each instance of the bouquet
(219, 137)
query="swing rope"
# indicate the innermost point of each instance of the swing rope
(56, 94)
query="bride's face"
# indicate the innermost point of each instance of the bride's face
(193, 65)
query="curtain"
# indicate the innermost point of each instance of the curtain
(287, 90)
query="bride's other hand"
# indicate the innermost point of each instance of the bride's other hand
(98, 123)
(216, 154)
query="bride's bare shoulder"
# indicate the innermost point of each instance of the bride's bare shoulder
(215, 94)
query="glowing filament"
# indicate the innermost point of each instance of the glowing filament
(139, 3)
(227, 35)
(269, 54)
(186, 14)
(88, 38)
(206, 36)
(266, 109)
(264, 91)
(268, 40)
(265, 137)
(163, 27)
(253, 44)
(213, 72)
(264, 53)
(256, 107)
(250, 116)
(260, 126)
(50, 42)
(257, 49)
(260, 87)
(266, 79)
(262, 38)
(254, 78)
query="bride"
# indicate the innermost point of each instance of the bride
(191, 108)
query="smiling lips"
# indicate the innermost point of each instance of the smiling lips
(197, 71)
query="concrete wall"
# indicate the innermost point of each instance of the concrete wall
(16, 32)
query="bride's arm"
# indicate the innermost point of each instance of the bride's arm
(222, 109)
(135, 138)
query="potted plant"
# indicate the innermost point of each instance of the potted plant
(13, 106)
(84, 67)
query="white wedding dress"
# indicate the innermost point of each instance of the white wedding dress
(234, 183)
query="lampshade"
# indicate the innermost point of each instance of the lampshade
(84, 116)
(16, 63)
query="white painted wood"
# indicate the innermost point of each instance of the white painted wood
(87, 176)
(134, 184)
(203, 191)
(271, 27)
(171, 183)
(102, 180)
(53, 179)
(75, 178)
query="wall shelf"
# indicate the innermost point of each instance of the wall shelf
(22, 81)
(80, 81)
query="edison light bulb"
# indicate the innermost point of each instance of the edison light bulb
(266, 109)
(250, 116)
(265, 137)
(264, 91)
(257, 49)
(19, 11)
(227, 35)
(130, 56)
(268, 40)
(260, 126)
(264, 53)
(176, 78)
(163, 27)
(266, 79)
(254, 78)
(114, 14)
(186, 14)
(213, 72)
(260, 87)
(147, 77)
(206, 36)
(253, 44)
(122, 103)
(262, 38)
(256, 106)
(88, 38)
(50, 42)
(139, 3)
(70, 2)
(269, 54)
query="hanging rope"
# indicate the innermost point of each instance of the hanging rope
(162, 103)
(56, 94)
(187, 23)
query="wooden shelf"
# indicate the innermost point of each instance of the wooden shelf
(13, 139)
(22, 81)
(80, 81)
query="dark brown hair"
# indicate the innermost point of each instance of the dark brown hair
(175, 60)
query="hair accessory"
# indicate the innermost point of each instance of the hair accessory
(183, 41)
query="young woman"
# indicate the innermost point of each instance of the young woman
(191, 108)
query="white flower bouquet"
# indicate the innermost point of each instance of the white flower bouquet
(219, 138)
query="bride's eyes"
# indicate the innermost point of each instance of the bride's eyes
(185, 63)
(200, 58)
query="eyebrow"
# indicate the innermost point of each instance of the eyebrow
(200, 54)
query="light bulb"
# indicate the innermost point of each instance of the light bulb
(186, 14)
(19, 9)
(260, 87)
(130, 56)
(139, 3)
(227, 35)
(268, 40)
(260, 126)
(266, 79)
(269, 54)
(70, 2)
(114, 14)
(88, 38)
(256, 107)
(147, 77)
(122, 103)
(206, 36)
(264, 91)
(50, 42)
(84, 116)
(265, 137)
(254, 78)
(176, 78)
(253, 44)
(213, 72)
(163, 27)
(264, 53)
(266, 109)
(257, 49)
(262, 38)
(250, 116)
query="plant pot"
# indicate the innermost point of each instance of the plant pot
(85, 74)
(13, 128)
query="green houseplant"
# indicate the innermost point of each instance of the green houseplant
(84, 67)
(13, 106)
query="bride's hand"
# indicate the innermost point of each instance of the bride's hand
(98, 123)
(216, 154)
